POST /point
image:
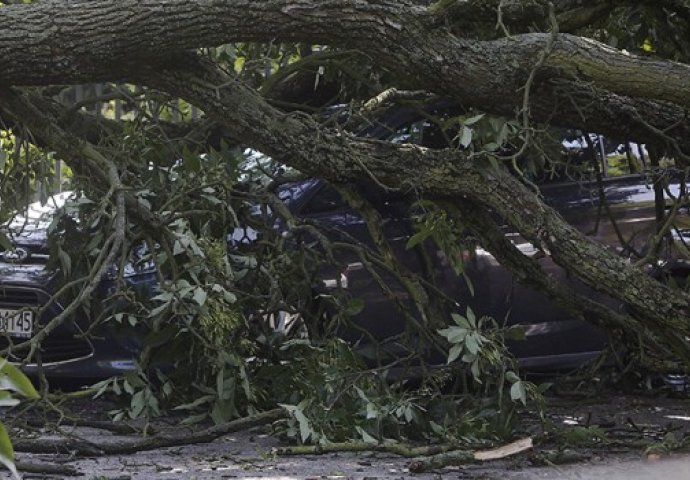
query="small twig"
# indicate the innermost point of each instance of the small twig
(48, 469)
(392, 95)
(558, 457)
(462, 457)
(86, 448)
(499, 20)
(395, 448)
(119, 428)
(527, 88)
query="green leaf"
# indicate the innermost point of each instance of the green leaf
(127, 387)
(469, 357)
(493, 161)
(158, 310)
(465, 136)
(222, 412)
(518, 392)
(472, 343)
(163, 297)
(475, 371)
(102, 387)
(296, 412)
(361, 394)
(468, 282)
(503, 134)
(229, 297)
(191, 420)
(418, 238)
(473, 120)
(354, 306)
(305, 430)
(65, 262)
(461, 321)
(167, 389)
(5, 242)
(133, 378)
(454, 353)
(366, 438)
(409, 414)
(436, 428)
(454, 334)
(137, 404)
(200, 296)
(471, 317)
(7, 400)
(7, 452)
(178, 248)
(196, 403)
(11, 378)
(211, 199)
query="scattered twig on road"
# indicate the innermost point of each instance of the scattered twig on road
(48, 469)
(461, 457)
(86, 448)
(559, 457)
(120, 428)
(395, 448)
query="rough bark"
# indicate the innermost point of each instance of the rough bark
(518, 16)
(182, 437)
(89, 40)
(442, 174)
(93, 40)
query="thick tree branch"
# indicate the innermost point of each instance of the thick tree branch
(301, 142)
(90, 40)
(94, 39)
(528, 272)
(468, 17)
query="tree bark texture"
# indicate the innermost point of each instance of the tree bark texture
(581, 82)
(80, 41)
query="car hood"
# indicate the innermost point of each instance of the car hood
(25, 263)
(34, 274)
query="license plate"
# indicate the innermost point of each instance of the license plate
(16, 323)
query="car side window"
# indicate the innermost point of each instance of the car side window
(614, 158)
(620, 158)
(327, 199)
(427, 132)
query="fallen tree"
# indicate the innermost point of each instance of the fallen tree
(538, 76)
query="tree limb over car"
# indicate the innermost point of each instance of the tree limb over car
(86, 41)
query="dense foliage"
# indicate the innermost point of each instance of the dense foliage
(169, 180)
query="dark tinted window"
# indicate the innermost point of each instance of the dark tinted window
(613, 157)
(325, 200)
(428, 132)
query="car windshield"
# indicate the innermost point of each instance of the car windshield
(37, 216)
(42, 211)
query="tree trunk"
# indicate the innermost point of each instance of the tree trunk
(581, 82)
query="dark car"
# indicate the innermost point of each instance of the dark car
(554, 338)
(26, 287)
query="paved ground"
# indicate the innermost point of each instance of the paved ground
(248, 454)
(628, 468)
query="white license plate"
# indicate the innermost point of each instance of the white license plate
(16, 323)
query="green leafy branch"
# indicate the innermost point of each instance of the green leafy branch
(12, 381)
